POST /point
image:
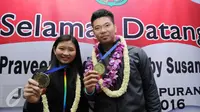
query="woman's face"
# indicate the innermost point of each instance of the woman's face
(65, 52)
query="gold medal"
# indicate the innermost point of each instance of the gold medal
(42, 79)
(100, 68)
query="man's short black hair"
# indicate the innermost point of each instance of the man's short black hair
(102, 13)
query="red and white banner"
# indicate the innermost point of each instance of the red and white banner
(169, 31)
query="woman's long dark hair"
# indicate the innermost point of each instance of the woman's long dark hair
(76, 64)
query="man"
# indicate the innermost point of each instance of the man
(125, 82)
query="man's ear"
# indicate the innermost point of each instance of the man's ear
(115, 29)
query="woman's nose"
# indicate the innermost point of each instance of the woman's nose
(66, 53)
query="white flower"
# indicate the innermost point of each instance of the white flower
(123, 88)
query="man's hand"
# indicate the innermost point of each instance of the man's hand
(90, 80)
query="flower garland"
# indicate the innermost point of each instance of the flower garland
(113, 66)
(105, 83)
(76, 100)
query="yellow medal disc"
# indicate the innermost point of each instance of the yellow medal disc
(42, 79)
(100, 68)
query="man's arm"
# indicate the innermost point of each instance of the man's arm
(152, 99)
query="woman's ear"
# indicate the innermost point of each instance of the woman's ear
(54, 50)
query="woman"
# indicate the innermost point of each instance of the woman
(64, 92)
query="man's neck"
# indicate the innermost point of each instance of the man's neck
(106, 47)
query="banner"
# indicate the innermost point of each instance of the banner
(169, 32)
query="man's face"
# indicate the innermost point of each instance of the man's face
(104, 30)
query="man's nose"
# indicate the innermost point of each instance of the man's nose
(103, 30)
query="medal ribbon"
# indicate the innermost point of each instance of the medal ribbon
(55, 69)
(65, 92)
(65, 83)
(108, 52)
